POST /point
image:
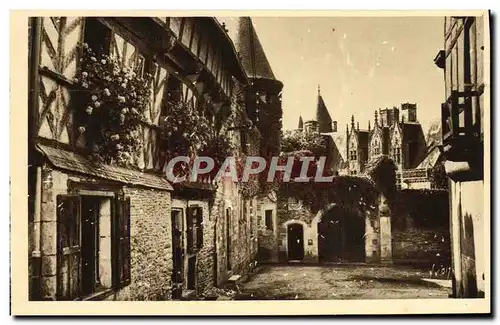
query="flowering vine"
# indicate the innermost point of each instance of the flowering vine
(190, 133)
(113, 99)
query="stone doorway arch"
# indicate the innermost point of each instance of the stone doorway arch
(295, 239)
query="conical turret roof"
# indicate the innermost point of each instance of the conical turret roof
(301, 123)
(323, 116)
(251, 52)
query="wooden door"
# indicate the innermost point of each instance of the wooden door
(69, 270)
(330, 240)
(295, 242)
(177, 253)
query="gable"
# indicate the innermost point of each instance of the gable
(353, 141)
(376, 140)
(396, 138)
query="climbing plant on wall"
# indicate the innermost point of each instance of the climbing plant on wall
(353, 192)
(189, 133)
(113, 100)
(298, 140)
(382, 171)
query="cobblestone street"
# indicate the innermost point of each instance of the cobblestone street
(340, 282)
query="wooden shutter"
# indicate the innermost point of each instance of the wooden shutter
(121, 243)
(69, 268)
(191, 230)
(199, 226)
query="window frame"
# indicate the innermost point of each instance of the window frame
(120, 250)
(268, 222)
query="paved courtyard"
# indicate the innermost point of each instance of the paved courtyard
(339, 282)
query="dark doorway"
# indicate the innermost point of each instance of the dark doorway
(177, 254)
(341, 237)
(295, 236)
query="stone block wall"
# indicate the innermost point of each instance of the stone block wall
(150, 239)
(267, 238)
(150, 246)
(205, 256)
(420, 228)
(421, 247)
(291, 211)
(469, 239)
(243, 232)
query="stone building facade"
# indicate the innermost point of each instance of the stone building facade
(101, 231)
(265, 111)
(463, 123)
(399, 136)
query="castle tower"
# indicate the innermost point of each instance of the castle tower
(264, 94)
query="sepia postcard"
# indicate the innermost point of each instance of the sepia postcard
(250, 163)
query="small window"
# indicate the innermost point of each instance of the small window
(269, 219)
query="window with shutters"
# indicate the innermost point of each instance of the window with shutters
(93, 245)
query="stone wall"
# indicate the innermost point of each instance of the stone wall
(420, 228)
(267, 238)
(292, 211)
(150, 238)
(421, 247)
(150, 246)
(204, 257)
(243, 232)
(469, 238)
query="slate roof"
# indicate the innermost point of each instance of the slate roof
(301, 123)
(323, 116)
(251, 52)
(336, 159)
(386, 140)
(363, 137)
(70, 161)
(413, 134)
(432, 157)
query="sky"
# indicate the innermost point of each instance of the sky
(361, 64)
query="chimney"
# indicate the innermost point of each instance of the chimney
(395, 112)
(412, 111)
